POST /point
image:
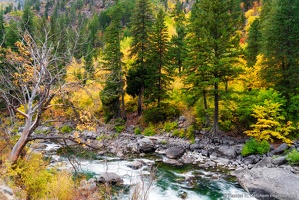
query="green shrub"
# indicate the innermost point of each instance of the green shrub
(149, 131)
(293, 157)
(66, 129)
(137, 131)
(176, 133)
(254, 147)
(190, 132)
(169, 126)
(182, 133)
(165, 112)
(119, 128)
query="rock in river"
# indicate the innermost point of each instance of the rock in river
(270, 183)
(110, 177)
(175, 152)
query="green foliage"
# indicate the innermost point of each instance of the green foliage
(165, 112)
(149, 131)
(269, 123)
(114, 83)
(159, 71)
(293, 157)
(213, 49)
(176, 133)
(137, 131)
(141, 27)
(254, 44)
(119, 128)
(246, 102)
(281, 46)
(66, 129)
(254, 147)
(169, 126)
(190, 132)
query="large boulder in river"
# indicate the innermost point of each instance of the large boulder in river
(270, 183)
(175, 152)
(110, 177)
(145, 145)
(135, 164)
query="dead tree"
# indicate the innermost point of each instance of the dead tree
(29, 79)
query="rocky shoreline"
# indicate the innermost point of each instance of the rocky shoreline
(262, 176)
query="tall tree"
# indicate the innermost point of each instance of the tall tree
(281, 46)
(159, 71)
(214, 30)
(177, 48)
(254, 42)
(141, 25)
(2, 28)
(27, 20)
(112, 95)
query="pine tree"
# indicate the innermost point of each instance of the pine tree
(2, 28)
(141, 25)
(281, 46)
(213, 44)
(177, 50)
(11, 36)
(114, 84)
(158, 77)
(27, 20)
(254, 42)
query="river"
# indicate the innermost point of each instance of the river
(170, 182)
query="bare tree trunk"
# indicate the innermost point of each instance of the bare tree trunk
(124, 115)
(215, 129)
(30, 126)
(140, 101)
(205, 103)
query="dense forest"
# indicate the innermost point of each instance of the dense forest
(227, 66)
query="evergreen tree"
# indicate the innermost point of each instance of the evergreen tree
(141, 25)
(27, 20)
(254, 42)
(158, 77)
(177, 50)
(2, 28)
(11, 36)
(213, 43)
(113, 91)
(281, 46)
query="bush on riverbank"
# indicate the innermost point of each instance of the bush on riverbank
(293, 157)
(37, 182)
(254, 147)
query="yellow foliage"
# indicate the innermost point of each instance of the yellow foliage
(40, 183)
(249, 13)
(269, 123)
(252, 75)
(61, 186)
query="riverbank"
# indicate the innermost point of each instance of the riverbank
(224, 152)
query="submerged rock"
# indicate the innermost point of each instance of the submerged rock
(270, 183)
(135, 165)
(110, 177)
(172, 162)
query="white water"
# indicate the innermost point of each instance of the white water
(162, 187)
